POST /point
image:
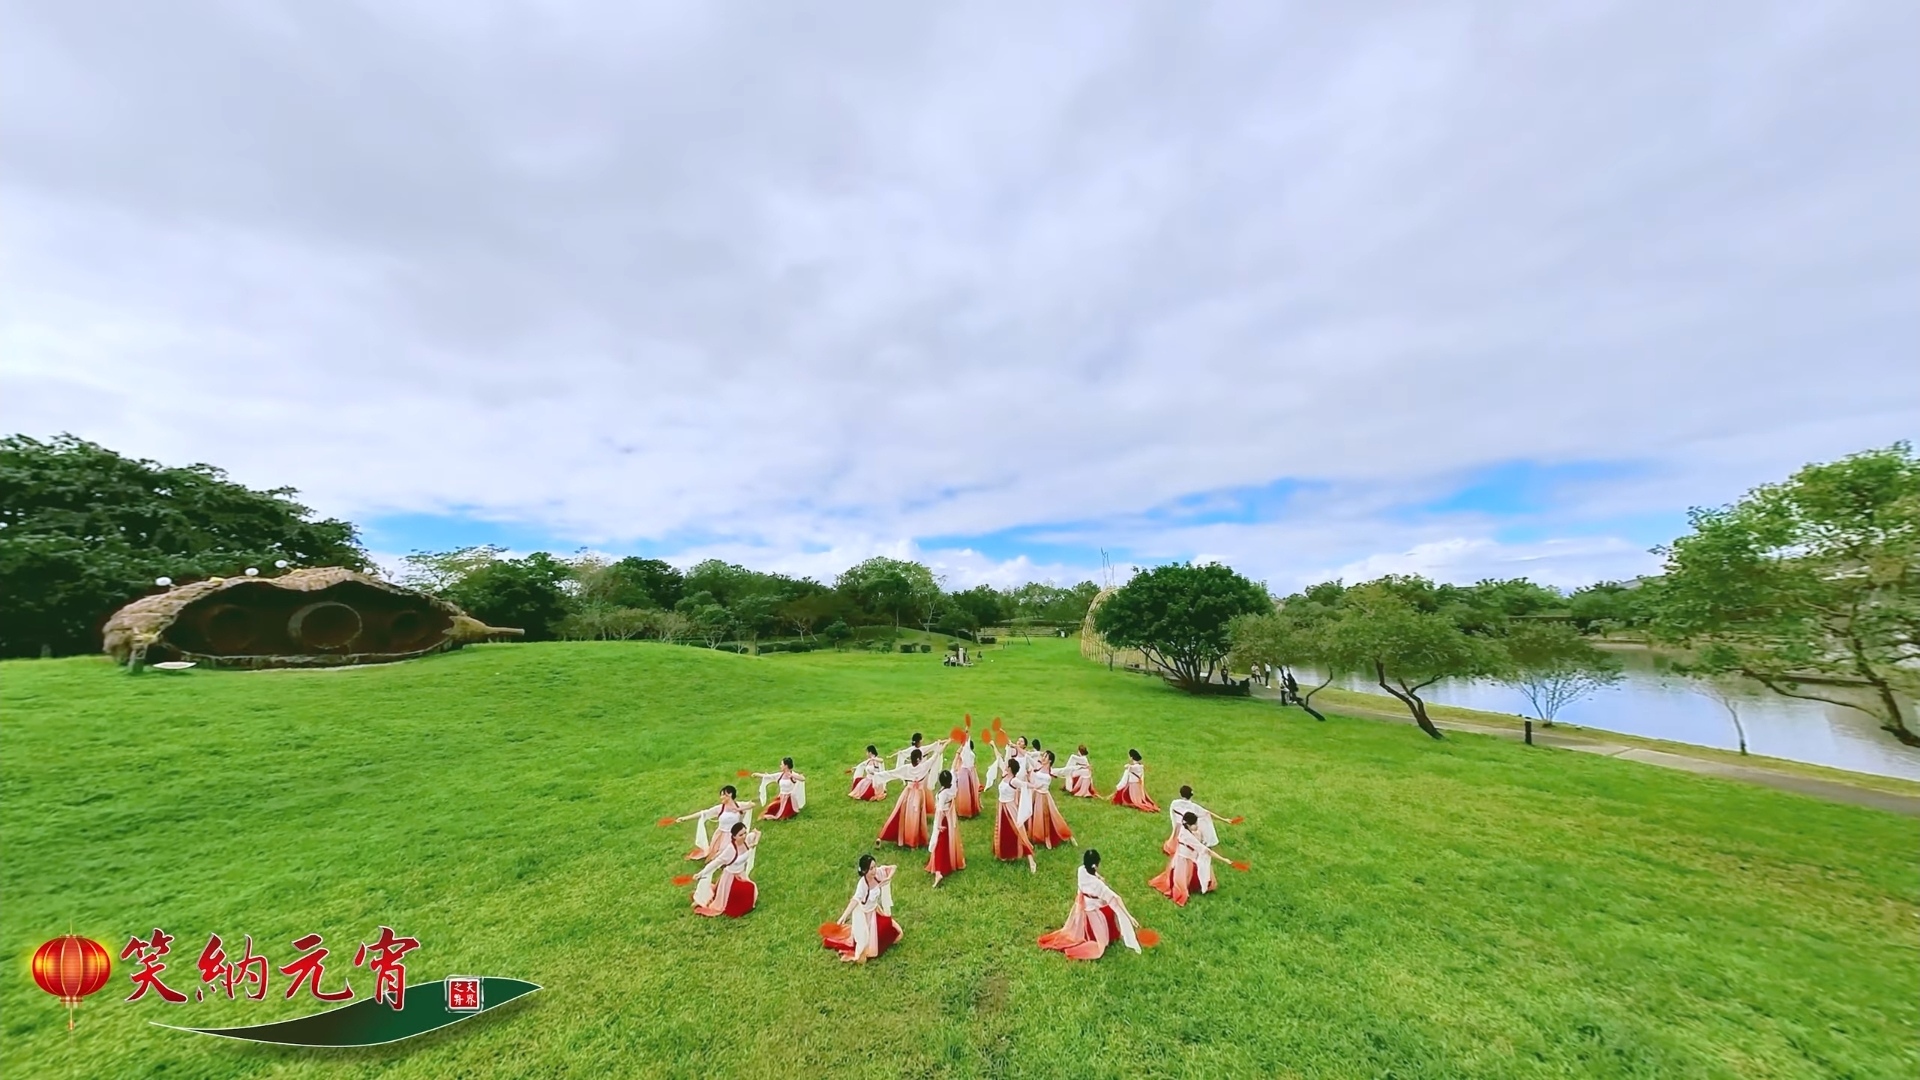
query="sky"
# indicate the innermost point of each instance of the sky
(1317, 290)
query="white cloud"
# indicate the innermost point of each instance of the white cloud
(824, 286)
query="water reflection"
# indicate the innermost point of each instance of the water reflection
(1652, 703)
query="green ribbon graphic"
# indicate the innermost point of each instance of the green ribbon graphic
(369, 1022)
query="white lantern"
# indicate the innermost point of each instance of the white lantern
(163, 581)
(253, 571)
(279, 564)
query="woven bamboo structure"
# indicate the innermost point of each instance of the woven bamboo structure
(1094, 646)
(323, 617)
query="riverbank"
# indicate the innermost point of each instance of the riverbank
(1818, 780)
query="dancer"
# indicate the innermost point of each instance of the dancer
(1191, 870)
(1077, 775)
(1009, 831)
(733, 895)
(725, 814)
(944, 853)
(1098, 916)
(868, 783)
(793, 792)
(1044, 823)
(907, 825)
(966, 782)
(1180, 808)
(866, 928)
(1132, 789)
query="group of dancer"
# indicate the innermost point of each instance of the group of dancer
(934, 798)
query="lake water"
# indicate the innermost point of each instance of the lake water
(1650, 703)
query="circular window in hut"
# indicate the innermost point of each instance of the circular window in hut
(328, 625)
(228, 628)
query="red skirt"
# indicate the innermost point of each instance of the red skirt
(966, 793)
(907, 825)
(1180, 880)
(839, 936)
(1009, 840)
(739, 899)
(864, 788)
(1134, 795)
(780, 809)
(947, 855)
(1080, 786)
(1084, 937)
(1046, 826)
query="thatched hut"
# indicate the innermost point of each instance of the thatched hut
(323, 617)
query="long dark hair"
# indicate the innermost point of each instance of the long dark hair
(946, 777)
(863, 864)
(872, 750)
(1091, 859)
(1134, 754)
(1186, 791)
(787, 761)
(1013, 765)
(913, 758)
(1049, 757)
(1192, 819)
(728, 791)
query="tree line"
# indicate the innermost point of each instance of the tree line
(1809, 587)
(591, 597)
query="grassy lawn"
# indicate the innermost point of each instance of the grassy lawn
(1416, 909)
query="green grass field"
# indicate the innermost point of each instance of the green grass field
(1416, 909)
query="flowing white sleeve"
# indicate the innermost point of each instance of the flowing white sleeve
(799, 794)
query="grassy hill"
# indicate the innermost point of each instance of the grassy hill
(1416, 909)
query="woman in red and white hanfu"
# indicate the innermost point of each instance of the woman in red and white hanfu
(966, 781)
(733, 893)
(1044, 823)
(907, 825)
(1098, 917)
(944, 854)
(793, 792)
(1132, 789)
(1010, 839)
(868, 783)
(866, 928)
(725, 814)
(1179, 808)
(1191, 869)
(1077, 775)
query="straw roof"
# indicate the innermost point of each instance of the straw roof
(142, 622)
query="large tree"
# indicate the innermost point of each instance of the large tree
(1809, 582)
(83, 530)
(975, 608)
(1292, 636)
(1404, 649)
(1180, 617)
(895, 589)
(526, 593)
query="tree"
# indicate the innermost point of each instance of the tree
(644, 583)
(890, 587)
(671, 625)
(1817, 577)
(1553, 666)
(1179, 616)
(1405, 649)
(516, 592)
(84, 530)
(1724, 690)
(438, 571)
(975, 608)
(809, 609)
(837, 632)
(1289, 637)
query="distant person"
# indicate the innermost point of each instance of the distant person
(1077, 774)
(725, 814)
(869, 777)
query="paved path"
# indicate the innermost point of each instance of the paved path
(1831, 790)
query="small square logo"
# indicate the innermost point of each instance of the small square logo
(463, 993)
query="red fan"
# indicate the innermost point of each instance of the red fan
(996, 723)
(744, 773)
(1147, 938)
(667, 822)
(683, 879)
(957, 735)
(1240, 866)
(1235, 820)
(829, 929)
(968, 717)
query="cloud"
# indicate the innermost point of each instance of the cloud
(675, 278)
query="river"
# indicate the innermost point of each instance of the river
(1650, 703)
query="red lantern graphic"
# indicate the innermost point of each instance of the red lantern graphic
(70, 967)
